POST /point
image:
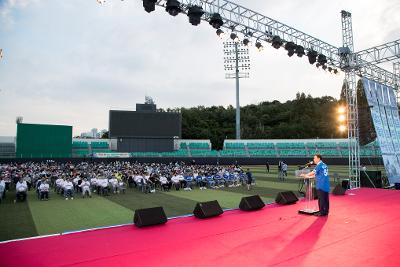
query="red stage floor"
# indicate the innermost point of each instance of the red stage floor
(363, 229)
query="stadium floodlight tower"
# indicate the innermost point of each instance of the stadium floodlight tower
(237, 65)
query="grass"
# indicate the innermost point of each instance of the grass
(57, 215)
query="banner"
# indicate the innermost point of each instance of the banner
(385, 117)
(111, 155)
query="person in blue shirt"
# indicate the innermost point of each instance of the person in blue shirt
(321, 175)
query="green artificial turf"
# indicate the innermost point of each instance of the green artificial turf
(58, 215)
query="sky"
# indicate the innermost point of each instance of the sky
(70, 62)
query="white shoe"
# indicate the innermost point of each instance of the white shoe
(66, 198)
(72, 198)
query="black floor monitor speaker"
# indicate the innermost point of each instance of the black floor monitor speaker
(285, 198)
(346, 184)
(397, 186)
(150, 216)
(207, 209)
(251, 203)
(339, 190)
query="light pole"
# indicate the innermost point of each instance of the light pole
(237, 65)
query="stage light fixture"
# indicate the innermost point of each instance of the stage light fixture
(276, 42)
(322, 59)
(299, 51)
(246, 41)
(312, 56)
(335, 71)
(341, 110)
(341, 118)
(342, 128)
(173, 7)
(324, 67)
(234, 37)
(317, 65)
(220, 33)
(290, 47)
(330, 69)
(259, 46)
(216, 21)
(194, 14)
(149, 5)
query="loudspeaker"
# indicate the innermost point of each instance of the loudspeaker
(207, 209)
(251, 203)
(285, 198)
(150, 216)
(339, 190)
(397, 186)
(346, 184)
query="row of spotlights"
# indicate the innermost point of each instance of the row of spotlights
(173, 7)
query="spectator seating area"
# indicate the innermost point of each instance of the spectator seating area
(86, 148)
(273, 148)
(294, 148)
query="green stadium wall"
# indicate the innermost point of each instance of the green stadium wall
(43, 141)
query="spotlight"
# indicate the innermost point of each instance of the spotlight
(149, 5)
(259, 46)
(290, 47)
(216, 21)
(342, 128)
(194, 14)
(173, 7)
(322, 59)
(276, 42)
(324, 67)
(234, 37)
(341, 118)
(330, 69)
(299, 51)
(335, 71)
(341, 110)
(246, 42)
(312, 56)
(317, 65)
(220, 33)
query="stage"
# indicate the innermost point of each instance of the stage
(362, 229)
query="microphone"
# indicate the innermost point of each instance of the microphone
(308, 164)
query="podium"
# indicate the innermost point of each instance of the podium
(310, 207)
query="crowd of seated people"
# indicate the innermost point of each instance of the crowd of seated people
(69, 179)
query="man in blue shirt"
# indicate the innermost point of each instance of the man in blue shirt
(320, 173)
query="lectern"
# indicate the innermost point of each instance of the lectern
(310, 206)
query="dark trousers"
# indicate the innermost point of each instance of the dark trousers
(21, 196)
(44, 195)
(323, 202)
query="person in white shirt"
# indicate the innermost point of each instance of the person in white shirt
(121, 187)
(21, 189)
(68, 189)
(104, 186)
(114, 184)
(2, 187)
(165, 184)
(93, 183)
(85, 185)
(59, 185)
(44, 190)
(175, 179)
